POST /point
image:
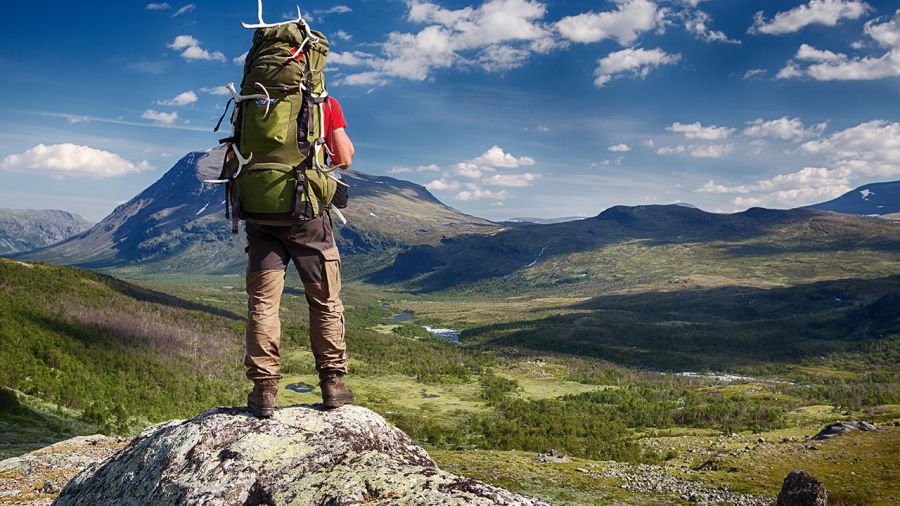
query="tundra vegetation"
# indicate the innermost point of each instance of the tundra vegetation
(593, 378)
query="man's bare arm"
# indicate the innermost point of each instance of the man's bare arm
(343, 149)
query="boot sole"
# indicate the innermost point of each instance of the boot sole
(338, 401)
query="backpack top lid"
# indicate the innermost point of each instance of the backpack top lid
(284, 56)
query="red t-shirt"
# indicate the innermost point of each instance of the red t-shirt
(334, 119)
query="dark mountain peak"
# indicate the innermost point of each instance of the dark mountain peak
(876, 199)
(630, 214)
(178, 223)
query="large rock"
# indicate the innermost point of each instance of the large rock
(302, 456)
(801, 489)
(840, 428)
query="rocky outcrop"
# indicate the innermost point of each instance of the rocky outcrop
(840, 428)
(801, 489)
(302, 455)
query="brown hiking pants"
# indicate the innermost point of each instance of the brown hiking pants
(312, 248)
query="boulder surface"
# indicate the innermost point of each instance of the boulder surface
(801, 489)
(840, 428)
(303, 455)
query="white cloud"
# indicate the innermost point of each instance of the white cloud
(153, 6)
(184, 10)
(342, 35)
(190, 49)
(697, 23)
(350, 58)
(712, 150)
(162, 118)
(498, 35)
(469, 170)
(637, 62)
(789, 71)
(697, 150)
(399, 170)
(620, 148)
(809, 53)
(336, 9)
(217, 90)
(754, 73)
(671, 150)
(71, 160)
(495, 157)
(443, 185)
(512, 180)
(481, 171)
(241, 58)
(805, 186)
(479, 194)
(816, 12)
(783, 128)
(697, 131)
(869, 149)
(831, 66)
(854, 155)
(624, 25)
(182, 99)
(432, 167)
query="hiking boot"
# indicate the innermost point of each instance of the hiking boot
(334, 392)
(261, 400)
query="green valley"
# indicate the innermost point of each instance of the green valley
(91, 352)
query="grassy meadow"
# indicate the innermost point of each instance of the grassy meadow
(85, 352)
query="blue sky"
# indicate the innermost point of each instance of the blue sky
(502, 108)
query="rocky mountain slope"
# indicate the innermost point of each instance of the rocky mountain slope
(876, 199)
(657, 246)
(178, 224)
(301, 456)
(24, 230)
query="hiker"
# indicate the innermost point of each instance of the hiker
(311, 247)
(280, 181)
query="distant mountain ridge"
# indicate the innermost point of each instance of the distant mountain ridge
(178, 223)
(24, 230)
(653, 246)
(876, 199)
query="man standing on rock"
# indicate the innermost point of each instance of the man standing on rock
(312, 248)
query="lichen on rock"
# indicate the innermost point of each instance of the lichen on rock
(302, 455)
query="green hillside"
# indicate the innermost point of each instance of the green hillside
(654, 248)
(118, 354)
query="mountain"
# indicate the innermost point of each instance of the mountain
(178, 223)
(29, 229)
(655, 247)
(876, 199)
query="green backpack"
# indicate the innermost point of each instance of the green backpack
(278, 171)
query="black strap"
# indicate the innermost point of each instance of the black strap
(228, 199)
(236, 208)
(227, 106)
